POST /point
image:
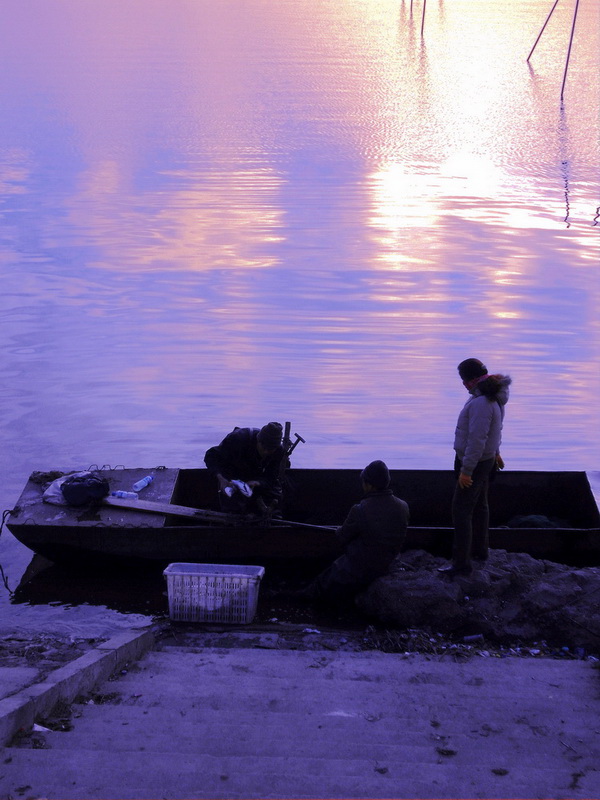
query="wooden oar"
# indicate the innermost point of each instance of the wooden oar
(199, 513)
(170, 508)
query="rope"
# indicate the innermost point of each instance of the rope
(2, 573)
(97, 468)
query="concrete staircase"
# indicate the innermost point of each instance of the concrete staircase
(251, 723)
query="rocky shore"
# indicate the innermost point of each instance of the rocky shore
(513, 605)
(511, 599)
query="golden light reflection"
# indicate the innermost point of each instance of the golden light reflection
(507, 277)
(222, 222)
(410, 212)
(471, 175)
(14, 171)
(402, 198)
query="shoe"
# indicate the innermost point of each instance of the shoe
(451, 570)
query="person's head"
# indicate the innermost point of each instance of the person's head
(376, 475)
(471, 370)
(269, 438)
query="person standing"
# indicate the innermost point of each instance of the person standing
(477, 442)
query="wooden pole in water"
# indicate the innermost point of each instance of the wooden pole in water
(543, 28)
(562, 91)
(423, 17)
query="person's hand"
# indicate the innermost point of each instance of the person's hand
(499, 461)
(465, 481)
(253, 484)
(224, 483)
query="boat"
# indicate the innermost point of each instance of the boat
(550, 515)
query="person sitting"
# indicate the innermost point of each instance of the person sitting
(253, 457)
(372, 536)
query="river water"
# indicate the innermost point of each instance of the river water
(222, 213)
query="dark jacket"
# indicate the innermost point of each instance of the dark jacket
(237, 458)
(372, 535)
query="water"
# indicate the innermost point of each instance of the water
(217, 214)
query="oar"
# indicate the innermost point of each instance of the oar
(199, 513)
(170, 508)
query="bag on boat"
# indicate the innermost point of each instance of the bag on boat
(84, 487)
(76, 489)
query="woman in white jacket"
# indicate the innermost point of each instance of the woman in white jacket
(477, 445)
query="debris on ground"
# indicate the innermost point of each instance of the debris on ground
(45, 653)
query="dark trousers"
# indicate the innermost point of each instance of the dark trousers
(335, 586)
(471, 517)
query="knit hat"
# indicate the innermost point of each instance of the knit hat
(270, 435)
(471, 368)
(377, 474)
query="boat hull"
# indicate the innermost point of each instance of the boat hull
(317, 499)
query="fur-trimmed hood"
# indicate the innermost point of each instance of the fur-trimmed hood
(496, 387)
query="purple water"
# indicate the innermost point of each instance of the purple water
(218, 214)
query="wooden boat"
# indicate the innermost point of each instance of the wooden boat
(556, 514)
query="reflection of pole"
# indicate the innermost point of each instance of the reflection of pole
(423, 17)
(565, 165)
(563, 140)
(543, 27)
(562, 91)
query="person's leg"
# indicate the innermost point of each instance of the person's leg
(481, 514)
(333, 585)
(462, 511)
(470, 515)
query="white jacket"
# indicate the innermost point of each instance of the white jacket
(478, 433)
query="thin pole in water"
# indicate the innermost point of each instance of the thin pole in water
(423, 17)
(543, 28)
(562, 91)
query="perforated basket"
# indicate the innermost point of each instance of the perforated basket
(213, 592)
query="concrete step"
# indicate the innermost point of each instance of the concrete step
(414, 719)
(94, 774)
(532, 675)
(225, 688)
(292, 724)
(391, 669)
(266, 734)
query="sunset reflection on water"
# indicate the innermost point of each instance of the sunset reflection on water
(215, 214)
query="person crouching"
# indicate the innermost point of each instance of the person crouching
(372, 536)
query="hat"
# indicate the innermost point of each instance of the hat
(471, 368)
(270, 435)
(377, 474)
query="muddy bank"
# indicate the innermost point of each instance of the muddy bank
(44, 653)
(513, 606)
(511, 598)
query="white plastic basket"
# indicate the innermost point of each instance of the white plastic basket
(213, 592)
